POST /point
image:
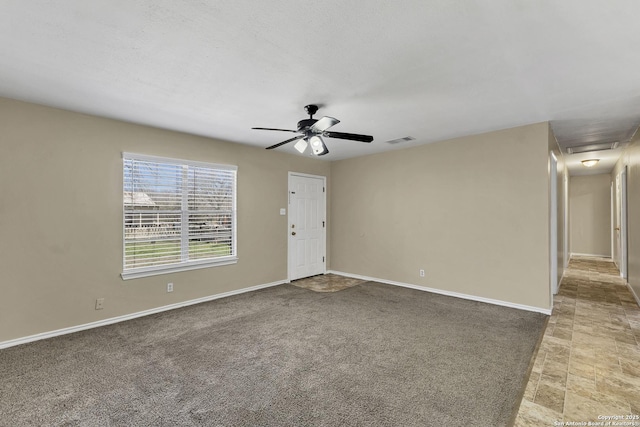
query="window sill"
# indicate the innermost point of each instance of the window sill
(137, 273)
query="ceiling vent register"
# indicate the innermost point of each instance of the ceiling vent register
(399, 140)
(592, 147)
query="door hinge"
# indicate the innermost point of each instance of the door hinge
(322, 224)
(323, 189)
(322, 259)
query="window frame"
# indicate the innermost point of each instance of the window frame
(190, 264)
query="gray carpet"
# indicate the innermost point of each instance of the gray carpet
(371, 355)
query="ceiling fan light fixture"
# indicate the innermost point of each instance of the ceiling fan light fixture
(301, 146)
(590, 162)
(318, 146)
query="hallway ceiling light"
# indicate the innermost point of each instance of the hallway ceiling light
(590, 163)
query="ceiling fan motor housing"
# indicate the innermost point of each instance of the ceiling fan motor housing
(305, 124)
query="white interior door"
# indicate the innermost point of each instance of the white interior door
(307, 225)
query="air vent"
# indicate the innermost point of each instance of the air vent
(592, 147)
(399, 140)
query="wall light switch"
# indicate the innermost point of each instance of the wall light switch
(169, 287)
(283, 211)
(99, 303)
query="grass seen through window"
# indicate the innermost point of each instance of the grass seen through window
(142, 254)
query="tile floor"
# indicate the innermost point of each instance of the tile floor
(326, 283)
(588, 364)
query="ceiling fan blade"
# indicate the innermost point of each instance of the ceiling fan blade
(351, 136)
(283, 130)
(323, 124)
(285, 142)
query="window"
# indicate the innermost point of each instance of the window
(178, 215)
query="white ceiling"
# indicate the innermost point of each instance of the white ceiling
(431, 69)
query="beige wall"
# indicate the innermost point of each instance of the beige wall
(468, 211)
(61, 218)
(590, 201)
(631, 159)
(473, 212)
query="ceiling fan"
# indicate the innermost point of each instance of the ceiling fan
(311, 132)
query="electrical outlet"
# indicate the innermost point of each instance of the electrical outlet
(421, 273)
(99, 303)
(169, 287)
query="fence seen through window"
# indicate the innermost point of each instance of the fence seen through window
(177, 213)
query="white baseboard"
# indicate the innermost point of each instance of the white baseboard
(448, 293)
(112, 320)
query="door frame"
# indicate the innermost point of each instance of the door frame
(553, 226)
(565, 212)
(623, 223)
(323, 238)
(613, 221)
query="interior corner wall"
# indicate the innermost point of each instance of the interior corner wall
(631, 159)
(590, 201)
(473, 212)
(61, 218)
(562, 175)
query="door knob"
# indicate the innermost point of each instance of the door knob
(617, 228)
(293, 233)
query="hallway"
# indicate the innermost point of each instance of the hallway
(588, 364)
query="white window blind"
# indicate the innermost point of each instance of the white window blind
(178, 215)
